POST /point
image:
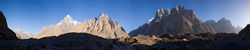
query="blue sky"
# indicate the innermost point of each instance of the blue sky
(32, 15)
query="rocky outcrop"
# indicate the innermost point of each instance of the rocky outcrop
(141, 39)
(60, 28)
(223, 26)
(101, 26)
(177, 21)
(5, 32)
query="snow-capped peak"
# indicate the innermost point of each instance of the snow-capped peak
(68, 16)
(68, 20)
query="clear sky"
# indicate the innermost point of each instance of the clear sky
(32, 15)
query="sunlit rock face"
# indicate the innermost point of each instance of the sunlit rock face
(101, 26)
(223, 26)
(177, 21)
(60, 28)
(5, 32)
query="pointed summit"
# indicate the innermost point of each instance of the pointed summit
(223, 19)
(68, 15)
(68, 20)
(102, 16)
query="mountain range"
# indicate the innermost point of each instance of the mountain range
(101, 26)
(178, 20)
(178, 29)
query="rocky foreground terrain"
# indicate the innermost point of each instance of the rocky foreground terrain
(86, 41)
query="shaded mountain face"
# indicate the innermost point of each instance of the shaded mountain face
(5, 32)
(177, 21)
(101, 26)
(223, 26)
(54, 30)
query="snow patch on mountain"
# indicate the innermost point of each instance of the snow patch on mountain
(150, 20)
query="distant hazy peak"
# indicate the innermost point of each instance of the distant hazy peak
(223, 19)
(223, 25)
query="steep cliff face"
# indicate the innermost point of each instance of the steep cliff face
(177, 21)
(5, 32)
(101, 26)
(60, 28)
(223, 26)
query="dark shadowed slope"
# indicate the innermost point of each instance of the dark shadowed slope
(67, 41)
(245, 33)
(5, 32)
